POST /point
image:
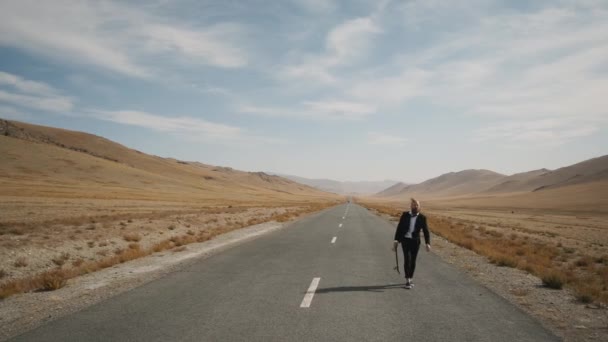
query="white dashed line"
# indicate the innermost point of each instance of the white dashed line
(334, 239)
(340, 225)
(310, 293)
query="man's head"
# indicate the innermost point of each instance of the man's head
(415, 206)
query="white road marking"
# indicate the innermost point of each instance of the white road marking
(343, 217)
(340, 225)
(334, 239)
(310, 293)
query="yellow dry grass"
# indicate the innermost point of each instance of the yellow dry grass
(57, 278)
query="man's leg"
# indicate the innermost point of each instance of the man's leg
(414, 248)
(406, 258)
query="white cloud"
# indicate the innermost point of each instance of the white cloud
(32, 94)
(114, 36)
(26, 86)
(53, 104)
(338, 109)
(169, 124)
(313, 110)
(536, 133)
(377, 138)
(345, 44)
(188, 127)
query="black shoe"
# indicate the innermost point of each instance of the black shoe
(408, 285)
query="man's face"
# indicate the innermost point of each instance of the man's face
(415, 207)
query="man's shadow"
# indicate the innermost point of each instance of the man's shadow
(371, 288)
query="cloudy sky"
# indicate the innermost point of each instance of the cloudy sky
(354, 90)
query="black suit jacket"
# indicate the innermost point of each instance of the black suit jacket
(404, 226)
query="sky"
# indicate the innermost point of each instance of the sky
(346, 90)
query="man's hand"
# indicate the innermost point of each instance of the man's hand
(428, 247)
(395, 243)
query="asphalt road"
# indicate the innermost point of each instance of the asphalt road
(255, 292)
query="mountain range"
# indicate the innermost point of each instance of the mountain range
(343, 187)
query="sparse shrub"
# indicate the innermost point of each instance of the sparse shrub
(77, 262)
(123, 224)
(503, 261)
(17, 231)
(134, 245)
(53, 280)
(553, 280)
(92, 226)
(129, 220)
(584, 298)
(171, 227)
(495, 234)
(21, 262)
(103, 244)
(161, 246)
(176, 241)
(3, 273)
(190, 232)
(58, 261)
(584, 261)
(132, 237)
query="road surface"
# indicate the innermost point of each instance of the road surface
(265, 290)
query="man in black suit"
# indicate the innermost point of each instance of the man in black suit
(408, 234)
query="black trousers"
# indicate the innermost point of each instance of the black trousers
(410, 252)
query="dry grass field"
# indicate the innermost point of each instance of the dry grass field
(72, 203)
(546, 234)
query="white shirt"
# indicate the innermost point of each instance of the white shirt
(413, 219)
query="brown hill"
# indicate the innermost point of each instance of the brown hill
(393, 190)
(451, 184)
(579, 199)
(42, 161)
(592, 170)
(517, 182)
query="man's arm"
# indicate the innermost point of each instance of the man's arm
(427, 235)
(399, 231)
